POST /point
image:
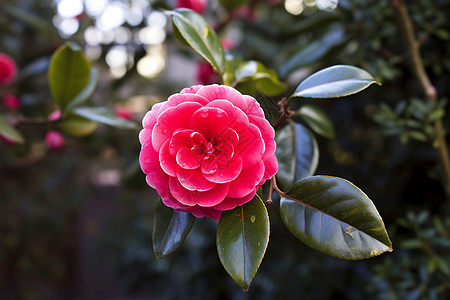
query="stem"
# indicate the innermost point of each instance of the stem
(417, 67)
(285, 112)
(273, 183)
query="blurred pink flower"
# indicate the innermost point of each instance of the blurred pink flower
(55, 115)
(8, 69)
(11, 101)
(54, 140)
(205, 72)
(196, 5)
(124, 113)
(7, 141)
(207, 149)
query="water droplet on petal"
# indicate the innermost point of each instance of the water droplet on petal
(164, 131)
(204, 113)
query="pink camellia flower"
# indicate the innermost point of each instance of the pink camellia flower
(55, 115)
(206, 74)
(196, 5)
(11, 101)
(8, 69)
(124, 113)
(54, 140)
(207, 149)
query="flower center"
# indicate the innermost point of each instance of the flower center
(209, 148)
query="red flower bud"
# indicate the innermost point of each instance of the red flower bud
(124, 113)
(196, 5)
(54, 140)
(8, 69)
(11, 102)
(56, 115)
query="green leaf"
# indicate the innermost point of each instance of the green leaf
(104, 116)
(332, 215)
(10, 132)
(170, 229)
(335, 81)
(297, 153)
(256, 75)
(77, 126)
(242, 238)
(69, 75)
(318, 120)
(200, 36)
(86, 92)
(232, 4)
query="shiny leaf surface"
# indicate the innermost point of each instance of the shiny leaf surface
(332, 215)
(170, 229)
(258, 78)
(242, 238)
(335, 81)
(200, 36)
(297, 153)
(104, 116)
(69, 74)
(10, 132)
(317, 120)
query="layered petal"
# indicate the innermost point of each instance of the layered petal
(170, 120)
(190, 198)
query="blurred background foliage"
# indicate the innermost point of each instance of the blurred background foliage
(76, 223)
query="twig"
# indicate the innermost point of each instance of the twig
(417, 67)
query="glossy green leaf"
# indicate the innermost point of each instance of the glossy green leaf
(258, 78)
(242, 238)
(104, 116)
(170, 229)
(232, 4)
(335, 81)
(86, 92)
(317, 120)
(200, 36)
(332, 215)
(297, 153)
(77, 126)
(9, 132)
(69, 74)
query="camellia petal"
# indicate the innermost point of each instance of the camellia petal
(251, 145)
(209, 120)
(254, 109)
(166, 161)
(170, 120)
(191, 198)
(226, 172)
(189, 158)
(247, 180)
(148, 158)
(215, 92)
(230, 203)
(180, 138)
(194, 180)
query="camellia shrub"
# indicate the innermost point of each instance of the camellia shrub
(209, 151)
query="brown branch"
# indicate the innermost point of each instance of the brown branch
(417, 67)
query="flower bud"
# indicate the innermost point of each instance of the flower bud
(124, 113)
(54, 140)
(8, 69)
(11, 102)
(196, 5)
